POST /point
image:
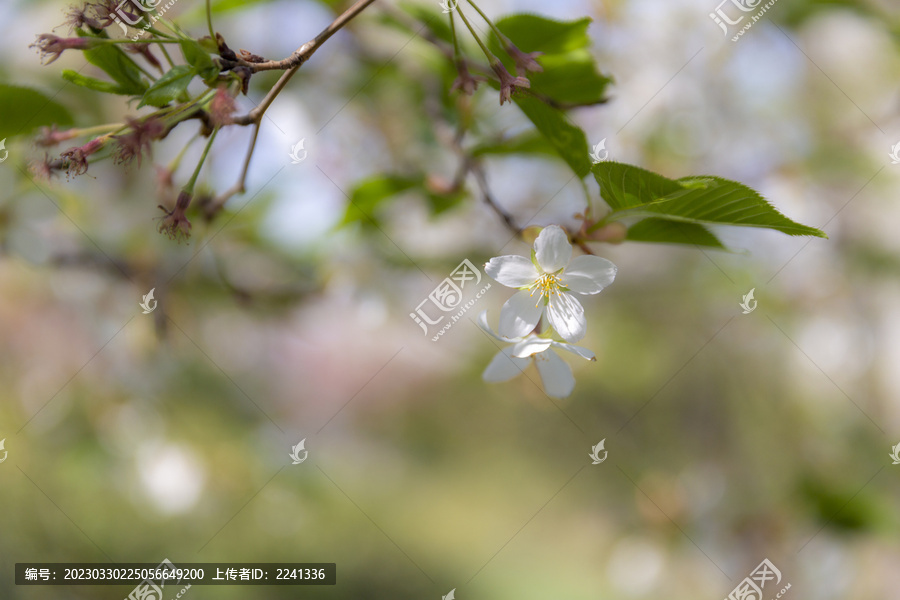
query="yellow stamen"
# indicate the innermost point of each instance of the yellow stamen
(548, 284)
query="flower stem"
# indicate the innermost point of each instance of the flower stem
(145, 72)
(587, 194)
(491, 58)
(455, 39)
(166, 54)
(610, 217)
(189, 186)
(150, 41)
(174, 28)
(176, 162)
(503, 39)
(156, 31)
(168, 113)
(212, 32)
(90, 131)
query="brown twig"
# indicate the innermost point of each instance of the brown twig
(477, 171)
(303, 53)
(468, 164)
(291, 64)
(214, 206)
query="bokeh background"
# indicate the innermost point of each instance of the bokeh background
(731, 437)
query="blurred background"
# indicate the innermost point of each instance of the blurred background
(731, 437)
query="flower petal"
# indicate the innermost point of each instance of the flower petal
(552, 249)
(556, 375)
(511, 271)
(582, 352)
(483, 323)
(588, 274)
(504, 367)
(566, 316)
(520, 315)
(531, 345)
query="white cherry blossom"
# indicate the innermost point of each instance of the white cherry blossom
(548, 284)
(556, 375)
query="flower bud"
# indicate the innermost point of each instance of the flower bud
(52, 46)
(175, 224)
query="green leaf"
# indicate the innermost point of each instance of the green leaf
(570, 73)
(368, 195)
(530, 142)
(199, 58)
(371, 194)
(208, 44)
(25, 109)
(571, 78)
(634, 191)
(624, 186)
(169, 86)
(440, 203)
(568, 140)
(92, 84)
(534, 32)
(672, 232)
(436, 22)
(119, 66)
(797, 12)
(197, 12)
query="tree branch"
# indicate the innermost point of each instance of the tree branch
(468, 164)
(303, 53)
(215, 205)
(294, 62)
(477, 170)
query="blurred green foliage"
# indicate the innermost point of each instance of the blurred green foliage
(732, 437)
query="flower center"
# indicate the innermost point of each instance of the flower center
(547, 284)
